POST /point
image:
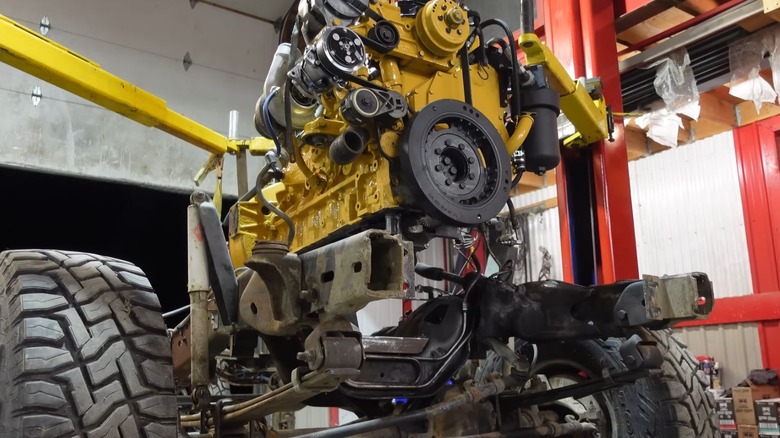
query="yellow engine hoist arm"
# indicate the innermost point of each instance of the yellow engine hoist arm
(588, 114)
(43, 58)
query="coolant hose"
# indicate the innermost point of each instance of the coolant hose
(522, 129)
(348, 146)
(269, 123)
(261, 182)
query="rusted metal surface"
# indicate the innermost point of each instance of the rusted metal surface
(333, 344)
(182, 355)
(346, 275)
(393, 345)
(271, 300)
(299, 390)
(677, 297)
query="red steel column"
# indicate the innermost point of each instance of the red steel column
(562, 34)
(758, 166)
(617, 241)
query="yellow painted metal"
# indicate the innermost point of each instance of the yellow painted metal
(518, 137)
(255, 145)
(322, 198)
(588, 115)
(41, 57)
(442, 27)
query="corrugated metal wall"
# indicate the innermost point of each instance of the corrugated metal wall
(310, 417)
(544, 231)
(734, 346)
(688, 217)
(688, 214)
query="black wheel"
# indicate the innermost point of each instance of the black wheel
(83, 349)
(674, 404)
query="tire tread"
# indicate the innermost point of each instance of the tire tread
(84, 350)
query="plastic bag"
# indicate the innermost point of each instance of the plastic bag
(745, 58)
(676, 84)
(662, 126)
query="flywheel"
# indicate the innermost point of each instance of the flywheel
(455, 164)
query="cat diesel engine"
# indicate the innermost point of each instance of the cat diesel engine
(396, 110)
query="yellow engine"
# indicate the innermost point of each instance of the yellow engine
(393, 114)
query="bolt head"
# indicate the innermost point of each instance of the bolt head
(461, 146)
(438, 167)
(448, 182)
(453, 171)
(447, 160)
(448, 142)
(471, 176)
(471, 160)
(437, 151)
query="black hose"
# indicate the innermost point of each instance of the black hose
(261, 181)
(481, 51)
(291, 60)
(464, 63)
(499, 41)
(269, 124)
(514, 104)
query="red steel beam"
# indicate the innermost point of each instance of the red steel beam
(562, 34)
(749, 308)
(623, 7)
(756, 147)
(617, 241)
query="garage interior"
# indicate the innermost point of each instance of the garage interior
(690, 181)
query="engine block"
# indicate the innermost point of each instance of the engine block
(360, 149)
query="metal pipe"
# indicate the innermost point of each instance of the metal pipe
(522, 129)
(472, 395)
(681, 27)
(198, 288)
(242, 178)
(176, 312)
(527, 15)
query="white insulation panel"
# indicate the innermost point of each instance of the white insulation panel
(688, 214)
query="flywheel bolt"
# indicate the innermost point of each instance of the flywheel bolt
(453, 171)
(461, 146)
(448, 142)
(471, 160)
(448, 182)
(447, 161)
(462, 185)
(437, 151)
(471, 176)
(438, 167)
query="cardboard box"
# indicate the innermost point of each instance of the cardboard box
(768, 416)
(745, 431)
(764, 392)
(744, 408)
(725, 410)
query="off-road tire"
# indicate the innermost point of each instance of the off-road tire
(674, 404)
(83, 349)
